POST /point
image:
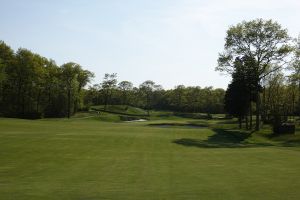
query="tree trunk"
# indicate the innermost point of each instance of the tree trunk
(75, 105)
(75, 109)
(38, 101)
(124, 100)
(298, 109)
(258, 105)
(240, 122)
(69, 103)
(263, 107)
(293, 104)
(247, 122)
(148, 104)
(251, 119)
(18, 107)
(23, 103)
(106, 100)
(49, 96)
(1, 94)
(110, 97)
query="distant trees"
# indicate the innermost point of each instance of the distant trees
(32, 86)
(54, 96)
(179, 97)
(277, 96)
(196, 99)
(83, 77)
(150, 95)
(147, 89)
(125, 87)
(108, 84)
(2, 79)
(295, 69)
(266, 42)
(74, 78)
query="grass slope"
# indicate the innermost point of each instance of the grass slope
(122, 109)
(91, 159)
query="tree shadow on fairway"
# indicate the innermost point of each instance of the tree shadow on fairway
(182, 125)
(286, 140)
(222, 138)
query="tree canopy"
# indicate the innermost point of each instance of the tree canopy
(265, 42)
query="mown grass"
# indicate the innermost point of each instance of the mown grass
(89, 158)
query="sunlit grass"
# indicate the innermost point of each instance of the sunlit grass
(92, 159)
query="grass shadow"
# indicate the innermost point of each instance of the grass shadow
(285, 140)
(222, 138)
(182, 125)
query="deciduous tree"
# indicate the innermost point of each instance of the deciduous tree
(265, 41)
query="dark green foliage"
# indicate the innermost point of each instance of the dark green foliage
(32, 86)
(108, 86)
(241, 90)
(264, 41)
(152, 96)
(284, 128)
(30, 83)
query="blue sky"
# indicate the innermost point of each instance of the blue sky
(171, 42)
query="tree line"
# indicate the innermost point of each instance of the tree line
(149, 95)
(32, 86)
(257, 54)
(264, 63)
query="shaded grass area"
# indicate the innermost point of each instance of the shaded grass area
(178, 125)
(220, 139)
(226, 139)
(92, 159)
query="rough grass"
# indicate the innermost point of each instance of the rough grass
(91, 159)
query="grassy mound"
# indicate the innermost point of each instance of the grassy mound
(121, 109)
